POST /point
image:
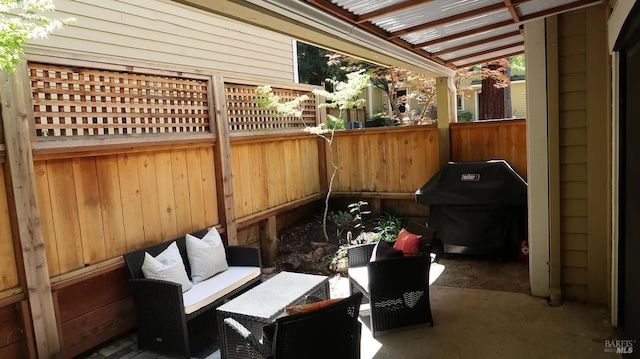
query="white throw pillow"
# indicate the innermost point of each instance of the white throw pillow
(167, 266)
(206, 256)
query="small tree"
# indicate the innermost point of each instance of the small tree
(343, 97)
(20, 22)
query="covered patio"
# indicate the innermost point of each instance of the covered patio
(470, 323)
(86, 177)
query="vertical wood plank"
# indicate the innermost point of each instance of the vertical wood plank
(130, 195)
(273, 174)
(8, 264)
(343, 155)
(255, 174)
(405, 162)
(297, 169)
(354, 160)
(196, 192)
(46, 217)
(246, 188)
(392, 163)
(166, 196)
(433, 157)
(380, 176)
(89, 211)
(181, 191)
(456, 143)
(209, 186)
(236, 165)
(149, 198)
(419, 158)
(490, 143)
(474, 144)
(220, 125)
(65, 214)
(17, 117)
(111, 206)
(268, 241)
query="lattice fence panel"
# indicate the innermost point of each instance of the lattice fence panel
(245, 114)
(69, 101)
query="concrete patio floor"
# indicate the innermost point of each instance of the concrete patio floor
(469, 323)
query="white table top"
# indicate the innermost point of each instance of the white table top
(268, 299)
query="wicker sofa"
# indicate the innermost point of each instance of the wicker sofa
(165, 315)
(397, 289)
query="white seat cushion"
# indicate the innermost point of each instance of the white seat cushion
(361, 276)
(218, 286)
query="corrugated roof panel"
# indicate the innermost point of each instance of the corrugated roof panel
(359, 7)
(532, 7)
(457, 27)
(471, 38)
(482, 58)
(483, 47)
(428, 12)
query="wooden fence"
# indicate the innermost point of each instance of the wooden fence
(388, 161)
(487, 140)
(272, 171)
(123, 159)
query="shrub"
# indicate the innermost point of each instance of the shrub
(388, 226)
(465, 116)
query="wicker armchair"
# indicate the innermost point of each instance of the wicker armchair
(161, 321)
(396, 289)
(329, 332)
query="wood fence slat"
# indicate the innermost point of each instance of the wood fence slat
(475, 142)
(89, 210)
(196, 193)
(392, 163)
(490, 145)
(64, 206)
(277, 174)
(8, 264)
(419, 142)
(343, 157)
(354, 159)
(111, 206)
(505, 139)
(181, 191)
(209, 187)
(254, 172)
(237, 181)
(149, 198)
(433, 162)
(378, 155)
(131, 201)
(245, 185)
(166, 196)
(405, 162)
(46, 217)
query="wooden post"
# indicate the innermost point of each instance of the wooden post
(376, 207)
(268, 241)
(17, 117)
(220, 124)
(445, 110)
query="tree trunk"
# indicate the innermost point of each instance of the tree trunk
(492, 100)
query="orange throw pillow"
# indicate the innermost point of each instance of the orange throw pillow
(408, 243)
(304, 308)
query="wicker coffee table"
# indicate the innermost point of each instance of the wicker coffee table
(264, 303)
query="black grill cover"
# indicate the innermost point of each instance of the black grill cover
(477, 207)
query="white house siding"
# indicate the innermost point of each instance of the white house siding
(518, 99)
(170, 34)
